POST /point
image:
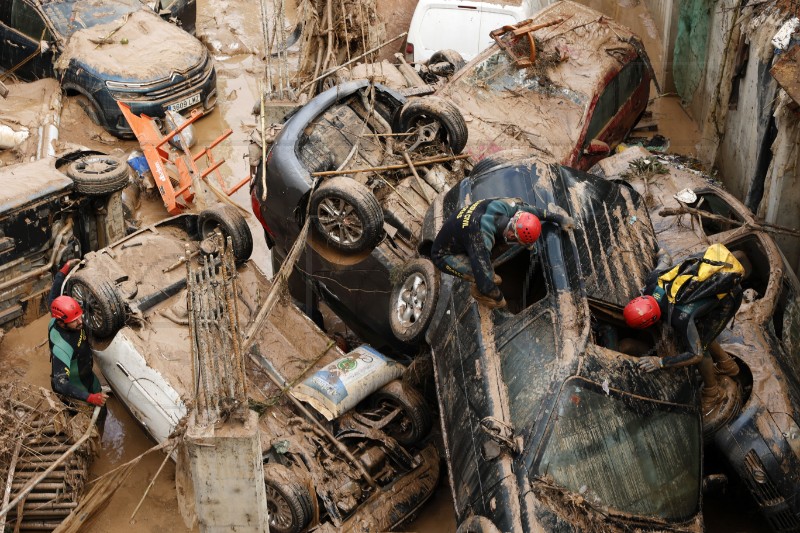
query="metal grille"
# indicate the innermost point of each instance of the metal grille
(767, 496)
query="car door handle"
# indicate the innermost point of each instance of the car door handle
(12, 44)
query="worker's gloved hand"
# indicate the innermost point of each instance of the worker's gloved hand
(69, 265)
(650, 363)
(97, 398)
(564, 220)
(497, 279)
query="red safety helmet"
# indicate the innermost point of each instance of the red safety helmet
(527, 227)
(66, 309)
(642, 312)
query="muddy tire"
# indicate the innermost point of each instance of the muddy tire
(88, 107)
(477, 524)
(428, 109)
(337, 78)
(448, 56)
(413, 300)
(414, 421)
(288, 501)
(232, 224)
(495, 160)
(347, 215)
(98, 175)
(103, 309)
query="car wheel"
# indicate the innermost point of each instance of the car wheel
(347, 215)
(413, 300)
(427, 111)
(288, 502)
(232, 224)
(477, 524)
(103, 310)
(337, 78)
(410, 418)
(448, 56)
(88, 107)
(495, 160)
(98, 175)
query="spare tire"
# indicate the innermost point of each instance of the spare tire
(414, 422)
(232, 224)
(497, 159)
(98, 175)
(448, 56)
(421, 111)
(347, 215)
(413, 300)
(103, 309)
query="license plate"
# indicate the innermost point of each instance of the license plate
(183, 104)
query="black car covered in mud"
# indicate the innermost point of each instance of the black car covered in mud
(342, 162)
(547, 425)
(760, 444)
(108, 52)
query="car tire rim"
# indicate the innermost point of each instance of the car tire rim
(97, 165)
(280, 514)
(411, 300)
(340, 221)
(87, 303)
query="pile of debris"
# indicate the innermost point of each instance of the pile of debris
(36, 433)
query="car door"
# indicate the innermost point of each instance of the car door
(22, 28)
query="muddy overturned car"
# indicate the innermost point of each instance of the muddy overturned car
(547, 425)
(362, 164)
(134, 296)
(761, 442)
(568, 85)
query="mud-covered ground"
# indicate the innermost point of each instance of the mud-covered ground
(231, 29)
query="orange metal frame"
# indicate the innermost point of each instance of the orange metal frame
(152, 144)
(507, 37)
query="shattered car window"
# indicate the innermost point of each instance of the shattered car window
(620, 451)
(71, 16)
(499, 73)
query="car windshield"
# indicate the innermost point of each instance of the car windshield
(627, 453)
(69, 16)
(499, 73)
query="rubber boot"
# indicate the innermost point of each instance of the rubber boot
(723, 363)
(482, 299)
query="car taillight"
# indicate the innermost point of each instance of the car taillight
(256, 207)
(410, 48)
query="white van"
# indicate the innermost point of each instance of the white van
(462, 26)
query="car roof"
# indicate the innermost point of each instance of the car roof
(25, 183)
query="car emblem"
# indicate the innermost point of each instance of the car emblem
(176, 77)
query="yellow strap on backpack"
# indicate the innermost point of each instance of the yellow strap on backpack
(713, 262)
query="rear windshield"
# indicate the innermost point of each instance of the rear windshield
(630, 454)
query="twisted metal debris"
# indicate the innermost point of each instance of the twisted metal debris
(217, 362)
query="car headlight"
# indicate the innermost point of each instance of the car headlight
(127, 97)
(790, 430)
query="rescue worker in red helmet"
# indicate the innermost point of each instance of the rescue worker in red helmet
(70, 354)
(697, 324)
(469, 239)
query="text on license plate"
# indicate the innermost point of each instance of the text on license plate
(183, 104)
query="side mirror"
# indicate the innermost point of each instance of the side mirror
(596, 147)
